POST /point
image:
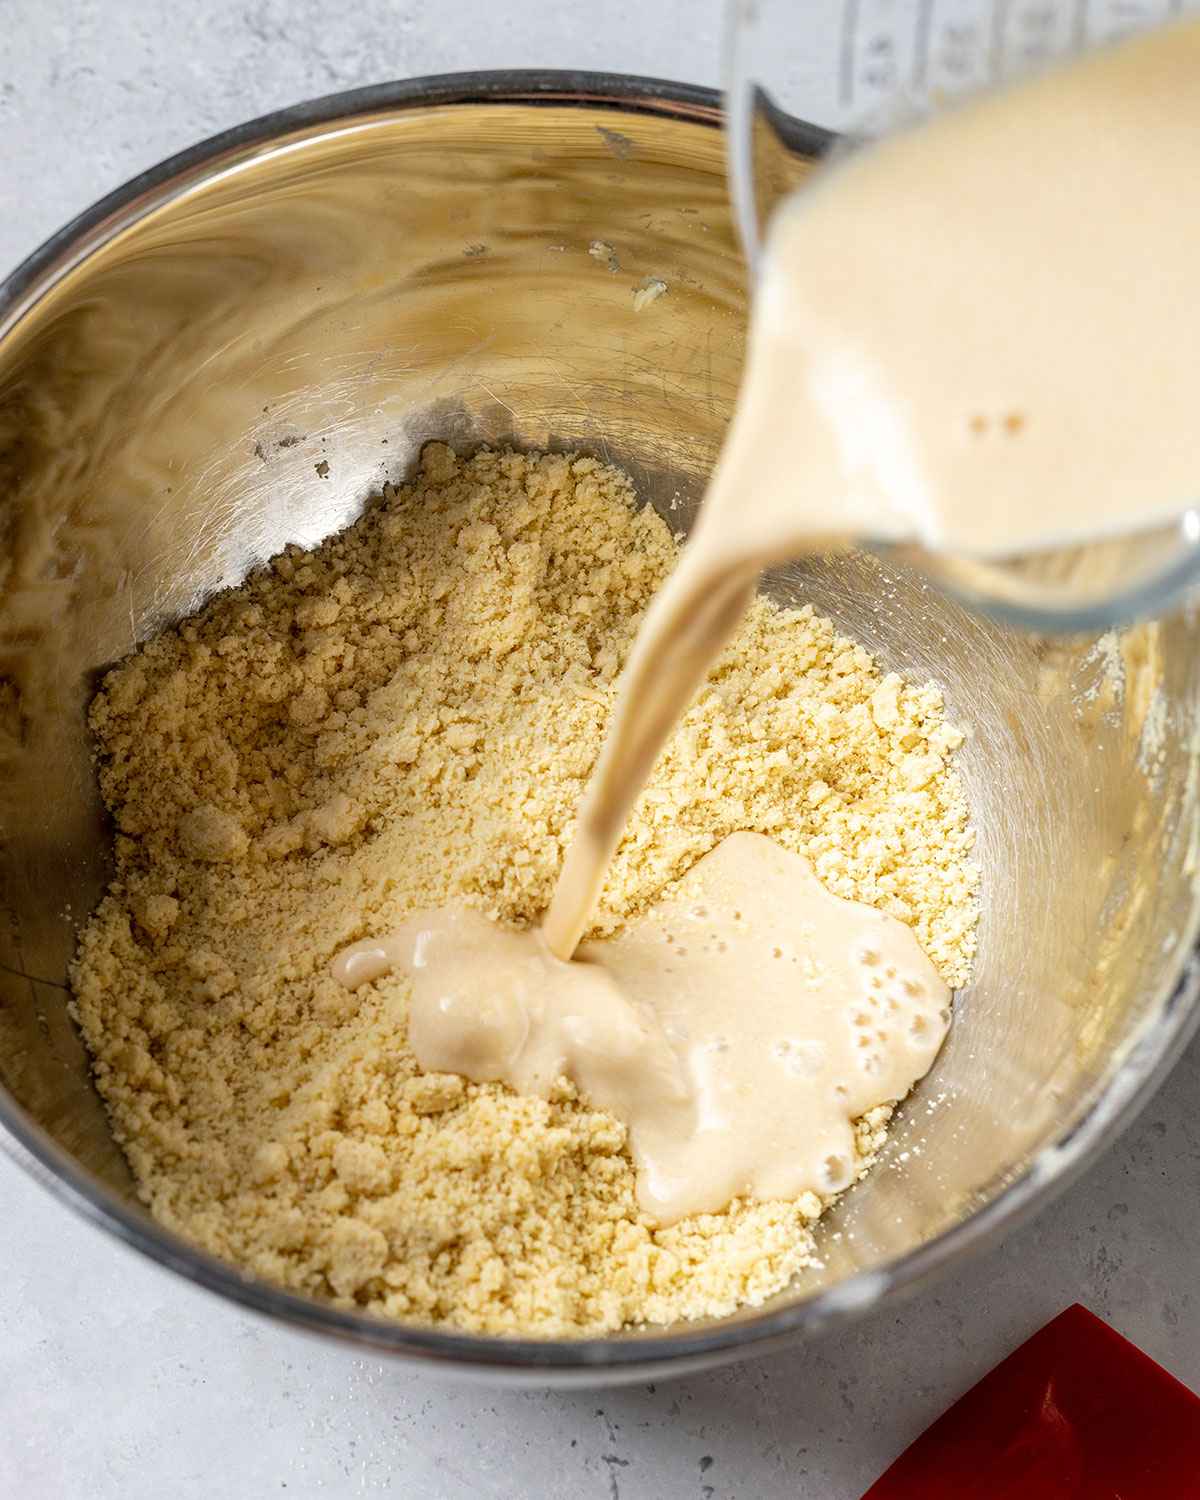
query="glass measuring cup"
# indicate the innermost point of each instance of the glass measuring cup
(873, 66)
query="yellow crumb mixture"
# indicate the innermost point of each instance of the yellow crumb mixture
(406, 717)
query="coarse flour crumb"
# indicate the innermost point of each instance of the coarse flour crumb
(406, 717)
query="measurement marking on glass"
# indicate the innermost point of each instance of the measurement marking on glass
(941, 48)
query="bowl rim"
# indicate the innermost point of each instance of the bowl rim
(633, 1355)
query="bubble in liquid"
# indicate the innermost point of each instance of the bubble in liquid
(802, 1059)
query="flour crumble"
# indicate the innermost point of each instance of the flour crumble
(405, 717)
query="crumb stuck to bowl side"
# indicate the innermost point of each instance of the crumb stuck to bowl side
(404, 717)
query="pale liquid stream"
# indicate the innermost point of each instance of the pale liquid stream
(964, 336)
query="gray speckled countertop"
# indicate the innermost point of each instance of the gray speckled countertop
(118, 1379)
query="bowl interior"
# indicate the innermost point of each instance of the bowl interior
(354, 285)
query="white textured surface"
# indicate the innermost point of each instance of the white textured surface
(119, 1380)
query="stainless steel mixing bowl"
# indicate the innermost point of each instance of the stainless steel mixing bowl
(334, 285)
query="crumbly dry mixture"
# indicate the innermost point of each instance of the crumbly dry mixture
(406, 717)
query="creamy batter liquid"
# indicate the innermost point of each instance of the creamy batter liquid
(738, 1028)
(984, 335)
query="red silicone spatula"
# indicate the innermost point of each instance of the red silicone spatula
(1076, 1413)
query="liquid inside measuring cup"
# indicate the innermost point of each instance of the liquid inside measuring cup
(1039, 231)
(958, 344)
(986, 326)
